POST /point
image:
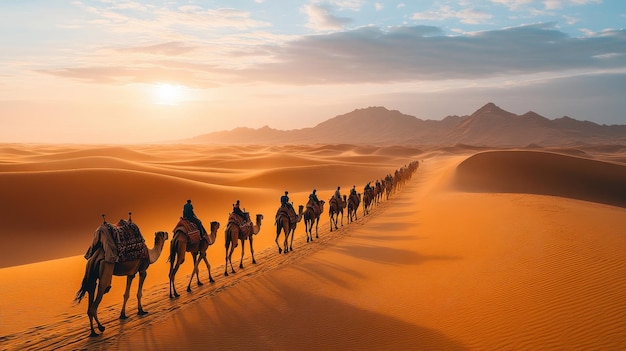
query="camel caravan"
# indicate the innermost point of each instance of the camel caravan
(120, 249)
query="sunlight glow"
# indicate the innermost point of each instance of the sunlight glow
(168, 94)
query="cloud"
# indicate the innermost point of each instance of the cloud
(149, 20)
(370, 54)
(373, 55)
(168, 49)
(467, 16)
(354, 5)
(173, 73)
(515, 5)
(321, 18)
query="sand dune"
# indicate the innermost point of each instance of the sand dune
(544, 173)
(469, 255)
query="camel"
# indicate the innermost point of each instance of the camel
(179, 245)
(353, 204)
(336, 207)
(311, 217)
(368, 199)
(99, 273)
(389, 184)
(378, 192)
(283, 223)
(233, 233)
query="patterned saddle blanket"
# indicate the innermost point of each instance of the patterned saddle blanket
(129, 241)
(288, 212)
(354, 200)
(316, 207)
(244, 224)
(190, 229)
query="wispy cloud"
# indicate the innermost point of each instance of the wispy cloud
(467, 15)
(321, 18)
(173, 48)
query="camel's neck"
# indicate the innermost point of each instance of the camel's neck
(155, 252)
(256, 228)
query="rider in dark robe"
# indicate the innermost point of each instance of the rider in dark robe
(189, 215)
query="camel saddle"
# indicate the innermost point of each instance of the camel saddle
(338, 202)
(289, 212)
(190, 229)
(129, 241)
(244, 224)
(315, 206)
(354, 198)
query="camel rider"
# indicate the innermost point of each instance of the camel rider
(284, 200)
(189, 215)
(284, 203)
(314, 201)
(237, 210)
(353, 190)
(337, 196)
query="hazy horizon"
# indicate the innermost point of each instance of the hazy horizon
(135, 72)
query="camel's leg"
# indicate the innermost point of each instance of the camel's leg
(307, 230)
(194, 255)
(104, 285)
(142, 279)
(208, 266)
(90, 285)
(173, 269)
(317, 223)
(278, 230)
(180, 258)
(91, 294)
(251, 248)
(196, 263)
(243, 249)
(129, 283)
(287, 230)
(293, 234)
(229, 258)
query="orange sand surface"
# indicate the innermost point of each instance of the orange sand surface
(475, 252)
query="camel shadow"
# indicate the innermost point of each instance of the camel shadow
(282, 316)
(388, 255)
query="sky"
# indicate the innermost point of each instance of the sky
(117, 71)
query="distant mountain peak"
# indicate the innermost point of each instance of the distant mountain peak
(489, 108)
(488, 126)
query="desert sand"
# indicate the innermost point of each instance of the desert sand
(480, 250)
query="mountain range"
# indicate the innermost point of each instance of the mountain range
(488, 126)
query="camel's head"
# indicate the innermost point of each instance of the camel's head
(160, 236)
(215, 225)
(259, 218)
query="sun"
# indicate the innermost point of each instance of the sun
(168, 94)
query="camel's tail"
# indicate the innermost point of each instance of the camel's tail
(173, 250)
(279, 226)
(227, 236)
(89, 280)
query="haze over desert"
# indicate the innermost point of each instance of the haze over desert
(445, 263)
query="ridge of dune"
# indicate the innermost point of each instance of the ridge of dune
(546, 173)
